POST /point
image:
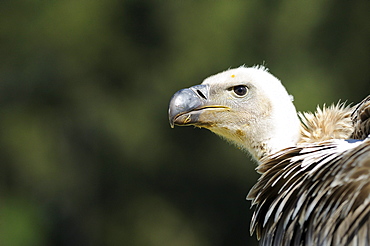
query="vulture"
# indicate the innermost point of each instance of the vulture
(314, 187)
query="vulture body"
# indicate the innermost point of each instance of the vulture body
(314, 187)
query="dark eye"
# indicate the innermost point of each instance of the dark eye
(240, 90)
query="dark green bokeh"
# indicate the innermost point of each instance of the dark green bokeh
(87, 156)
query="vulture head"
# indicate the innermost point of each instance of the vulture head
(247, 106)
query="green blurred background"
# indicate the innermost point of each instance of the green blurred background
(87, 156)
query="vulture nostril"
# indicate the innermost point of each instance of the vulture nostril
(201, 94)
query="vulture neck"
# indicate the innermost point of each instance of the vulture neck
(280, 130)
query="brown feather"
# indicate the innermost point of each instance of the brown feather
(361, 119)
(314, 194)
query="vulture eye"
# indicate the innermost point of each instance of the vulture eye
(240, 90)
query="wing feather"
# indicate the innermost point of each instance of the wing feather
(361, 119)
(314, 194)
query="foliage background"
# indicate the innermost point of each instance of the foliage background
(87, 156)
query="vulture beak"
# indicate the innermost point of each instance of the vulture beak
(186, 105)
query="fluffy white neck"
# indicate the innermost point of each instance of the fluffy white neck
(278, 128)
(274, 133)
(285, 130)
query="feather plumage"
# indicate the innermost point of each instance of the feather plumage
(318, 193)
(361, 119)
(332, 122)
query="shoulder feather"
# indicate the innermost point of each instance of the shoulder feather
(314, 194)
(361, 119)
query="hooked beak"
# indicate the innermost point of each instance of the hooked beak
(186, 105)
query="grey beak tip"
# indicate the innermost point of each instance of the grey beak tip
(172, 124)
(186, 100)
